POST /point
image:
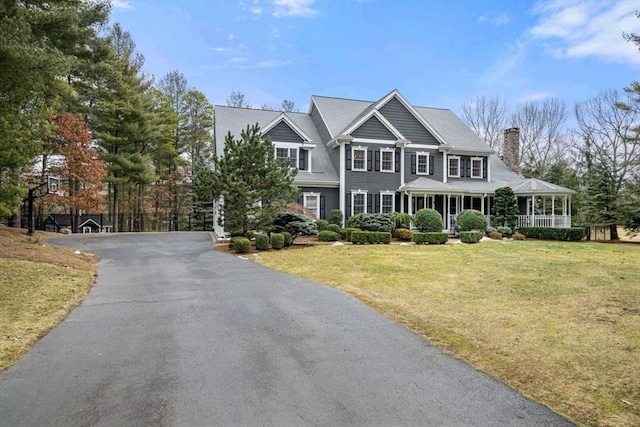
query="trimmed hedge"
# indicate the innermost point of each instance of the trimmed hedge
(364, 237)
(322, 224)
(328, 236)
(428, 220)
(470, 236)
(471, 219)
(431, 238)
(345, 233)
(505, 231)
(287, 239)
(277, 240)
(404, 234)
(490, 230)
(262, 242)
(570, 234)
(241, 245)
(333, 227)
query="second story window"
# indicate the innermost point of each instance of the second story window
(476, 167)
(287, 155)
(386, 160)
(454, 166)
(359, 159)
(422, 163)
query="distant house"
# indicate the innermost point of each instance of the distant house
(390, 156)
(87, 224)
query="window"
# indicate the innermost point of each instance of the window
(476, 167)
(358, 203)
(287, 155)
(422, 163)
(387, 160)
(387, 202)
(454, 166)
(359, 160)
(311, 201)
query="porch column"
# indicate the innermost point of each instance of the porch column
(446, 211)
(410, 203)
(402, 202)
(553, 210)
(482, 205)
(533, 211)
(569, 213)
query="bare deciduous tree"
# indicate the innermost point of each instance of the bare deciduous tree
(487, 116)
(238, 99)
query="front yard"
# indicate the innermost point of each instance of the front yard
(560, 322)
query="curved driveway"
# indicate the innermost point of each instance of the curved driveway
(176, 334)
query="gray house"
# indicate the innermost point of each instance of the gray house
(390, 156)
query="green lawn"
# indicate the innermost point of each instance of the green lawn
(558, 321)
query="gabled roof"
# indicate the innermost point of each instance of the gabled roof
(284, 118)
(337, 113)
(363, 118)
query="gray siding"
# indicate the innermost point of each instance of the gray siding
(406, 124)
(465, 170)
(409, 161)
(328, 199)
(283, 133)
(373, 129)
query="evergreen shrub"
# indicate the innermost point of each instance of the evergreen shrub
(287, 239)
(345, 233)
(376, 222)
(431, 238)
(328, 236)
(470, 236)
(505, 231)
(277, 240)
(428, 220)
(321, 224)
(241, 245)
(335, 217)
(365, 237)
(567, 234)
(471, 219)
(262, 242)
(404, 234)
(333, 227)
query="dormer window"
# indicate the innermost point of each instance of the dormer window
(359, 159)
(476, 167)
(454, 166)
(287, 155)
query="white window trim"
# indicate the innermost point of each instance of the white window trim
(449, 167)
(309, 195)
(289, 146)
(393, 200)
(353, 194)
(422, 153)
(393, 160)
(477, 159)
(353, 159)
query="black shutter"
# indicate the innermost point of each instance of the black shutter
(484, 167)
(397, 161)
(322, 214)
(377, 165)
(301, 200)
(413, 164)
(347, 149)
(432, 165)
(468, 163)
(302, 162)
(369, 160)
(347, 214)
(377, 203)
(369, 198)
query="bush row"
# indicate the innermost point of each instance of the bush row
(572, 234)
(327, 236)
(345, 233)
(431, 238)
(364, 237)
(470, 236)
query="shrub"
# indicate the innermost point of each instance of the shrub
(241, 245)
(321, 224)
(277, 240)
(505, 231)
(400, 220)
(495, 235)
(404, 234)
(262, 242)
(470, 236)
(354, 221)
(570, 234)
(334, 227)
(335, 217)
(296, 224)
(490, 230)
(428, 220)
(364, 237)
(471, 219)
(518, 236)
(328, 236)
(287, 239)
(432, 238)
(345, 233)
(237, 233)
(375, 222)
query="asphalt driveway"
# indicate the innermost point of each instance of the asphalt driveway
(176, 334)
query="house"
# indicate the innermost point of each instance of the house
(388, 155)
(87, 223)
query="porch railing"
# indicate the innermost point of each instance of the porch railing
(549, 221)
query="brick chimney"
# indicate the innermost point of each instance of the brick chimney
(511, 149)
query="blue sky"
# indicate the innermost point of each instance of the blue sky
(436, 53)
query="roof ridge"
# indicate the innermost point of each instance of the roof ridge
(342, 98)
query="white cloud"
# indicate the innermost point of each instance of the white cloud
(256, 10)
(580, 29)
(534, 96)
(231, 36)
(121, 4)
(506, 62)
(495, 19)
(238, 59)
(293, 8)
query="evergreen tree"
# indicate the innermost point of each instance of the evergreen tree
(253, 183)
(505, 208)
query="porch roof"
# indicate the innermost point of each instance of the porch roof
(521, 187)
(533, 186)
